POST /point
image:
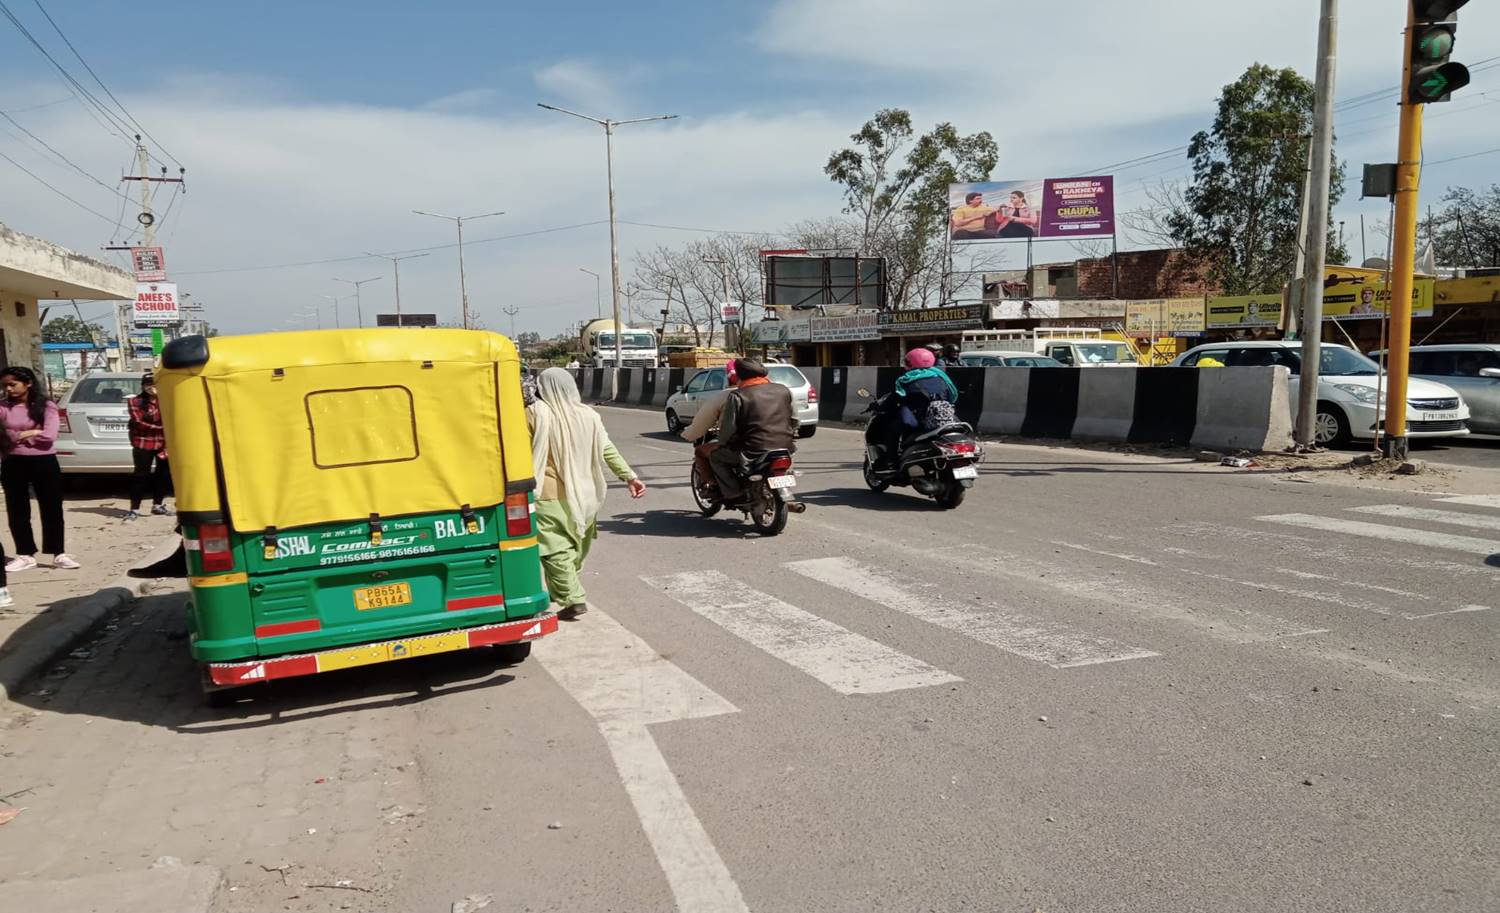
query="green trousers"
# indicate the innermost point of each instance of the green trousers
(563, 552)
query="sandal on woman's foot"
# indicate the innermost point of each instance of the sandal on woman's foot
(66, 562)
(572, 612)
(20, 563)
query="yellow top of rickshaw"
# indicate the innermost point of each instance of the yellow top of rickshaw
(337, 425)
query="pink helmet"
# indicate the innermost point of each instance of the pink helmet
(920, 358)
(729, 370)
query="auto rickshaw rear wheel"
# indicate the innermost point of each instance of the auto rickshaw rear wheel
(512, 654)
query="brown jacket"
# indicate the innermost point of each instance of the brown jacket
(758, 418)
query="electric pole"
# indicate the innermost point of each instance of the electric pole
(724, 275)
(147, 220)
(359, 310)
(335, 299)
(463, 288)
(396, 264)
(511, 312)
(1317, 228)
(614, 244)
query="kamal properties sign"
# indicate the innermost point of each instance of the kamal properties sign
(156, 305)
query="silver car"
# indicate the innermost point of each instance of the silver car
(94, 423)
(1473, 369)
(1007, 360)
(682, 405)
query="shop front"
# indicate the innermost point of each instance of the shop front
(902, 331)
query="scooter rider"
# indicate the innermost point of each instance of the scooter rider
(757, 418)
(905, 409)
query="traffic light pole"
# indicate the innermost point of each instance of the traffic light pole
(1403, 256)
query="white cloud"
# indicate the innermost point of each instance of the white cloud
(600, 88)
(466, 100)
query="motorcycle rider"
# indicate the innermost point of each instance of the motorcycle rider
(905, 409)
(950, 357)
(705, 421)
(757, 418)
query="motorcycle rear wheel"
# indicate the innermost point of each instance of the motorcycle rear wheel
(768, 513)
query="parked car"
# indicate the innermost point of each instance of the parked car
(1348, 390)
(1471, 369)
(682, 405)
(94, 423)
(1007, 360)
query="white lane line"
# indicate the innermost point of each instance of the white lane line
(1303, 575)
(839, 658)
(625, 685)
(1324, 549)
(1450, 517)
(1331, 598)
(1474, 500)
(1480, 547)
(1056, 645)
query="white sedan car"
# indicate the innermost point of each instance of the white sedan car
(1349, 390)
(683, 404)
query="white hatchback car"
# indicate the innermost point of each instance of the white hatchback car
(1348, 390)
(682, 405)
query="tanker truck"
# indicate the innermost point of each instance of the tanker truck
(597, 343)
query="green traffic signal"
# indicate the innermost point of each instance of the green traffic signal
(1433, 44)
(1432, 84)
(1432, 77)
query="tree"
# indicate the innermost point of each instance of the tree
(1466, 230)
(67, 328)
(896, 188)
(690, 279)
(1240, 212)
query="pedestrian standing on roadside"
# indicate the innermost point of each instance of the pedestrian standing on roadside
(573, 451)
(30, 465)
(148, 445)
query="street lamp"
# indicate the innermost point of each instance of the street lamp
(463, 287)
(598, 295)
(614, 244)
(359, 309)
(335, 299)
(396, 262)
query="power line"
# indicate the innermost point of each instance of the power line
(55, 190)
(705, 231)
(65, 160)
(115, 125)
(111, 95)
(1459, 158)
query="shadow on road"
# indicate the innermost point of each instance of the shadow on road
(678, 524)
(900, 500)
(138, 669)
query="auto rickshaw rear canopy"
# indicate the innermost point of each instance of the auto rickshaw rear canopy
(284, 430)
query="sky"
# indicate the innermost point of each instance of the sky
(310, 131)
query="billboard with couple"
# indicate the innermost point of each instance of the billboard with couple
(1047, 208)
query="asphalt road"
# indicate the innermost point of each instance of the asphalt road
(1476, 450)
(1107, 682)
(1104, 683)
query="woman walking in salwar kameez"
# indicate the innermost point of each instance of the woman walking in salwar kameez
(570, 451)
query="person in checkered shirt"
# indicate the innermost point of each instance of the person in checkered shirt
(148, 444)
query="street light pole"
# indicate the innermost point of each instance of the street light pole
(598, 295)
(396, 264)
(359, 309)
(724, 273)
(614, 243)
(463, 286)
(335, 299)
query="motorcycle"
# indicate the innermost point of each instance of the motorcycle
(767, 483)
(941, 463)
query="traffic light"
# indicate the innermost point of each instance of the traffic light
(1433, 75)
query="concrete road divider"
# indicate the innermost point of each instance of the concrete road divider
(1217, 408)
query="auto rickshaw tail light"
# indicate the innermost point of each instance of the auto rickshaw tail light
(517, 515)
(217, 554)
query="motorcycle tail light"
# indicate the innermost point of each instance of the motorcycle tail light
(781, 465)
(960, 448)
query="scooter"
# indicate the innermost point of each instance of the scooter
(767, 483)
(941, 463)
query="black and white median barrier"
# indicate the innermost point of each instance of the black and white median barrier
(1211, 408)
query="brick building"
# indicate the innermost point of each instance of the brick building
(1160, 273)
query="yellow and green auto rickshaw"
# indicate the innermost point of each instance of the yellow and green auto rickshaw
(351, 497)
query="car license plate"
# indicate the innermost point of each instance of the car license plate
(112, 426)
(383, 596)
(965, 472)
(1439, 416)
(780, 482)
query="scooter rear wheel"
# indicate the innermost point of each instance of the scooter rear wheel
(951, 494)
(706, 505)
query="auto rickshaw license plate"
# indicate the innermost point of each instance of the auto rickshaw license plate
(383, 596)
